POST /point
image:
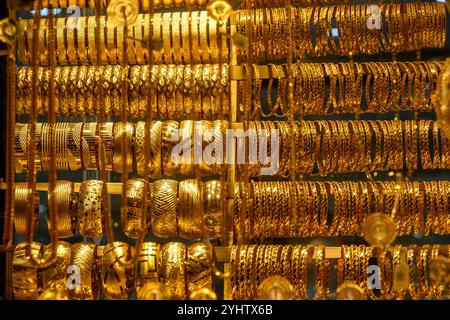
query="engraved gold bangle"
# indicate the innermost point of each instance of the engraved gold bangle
(84, 256)
(118, 279)
(164, 197)
(199, 271)
(131, 213)
(155, 149)
(190, 214)
(213, 218)
(25, 282)
(168, 131)
(21, 196)
(173, 269)
(91, 216)
(147, 264)
(186, 141)
(89, 146)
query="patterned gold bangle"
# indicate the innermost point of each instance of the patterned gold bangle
(166, 26)
(176, 37)
(91, 216)
(203, 37)
(118, 280)
(155, 149)
(190, 212)
(213, 219)
(25, 282)
(73, 147)
(131, 213)
(128, 131)
(148, 265)
(21, 147)
(89, 146)
(65, 209)
(164, 197)
(55, 276)
(186, 141)
(199, 271)
(105, 132)
(173, 269)
(168, 130)
(196, 56)
(84, 257)
(21, 198)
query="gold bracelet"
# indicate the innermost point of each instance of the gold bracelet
(176, 35)
(84, 256)
(132, 212)
(118, 280)
(65, 209)
(164, 197)
(55, 276)
(195, 53)
(25, 282)
(213, 219)
(199, 271)
(148, 265)
(21, 198)
(187, 143)
(89, 145)
(119, 131)
(154, 157)
(91, 217)
(168, 131)
(190, 212)
(173, 269)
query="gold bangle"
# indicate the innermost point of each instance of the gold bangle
(164, 197)
(65, 209)
(131, 213)
(213, 219)
(176, 37)
(89, 146)
(154, 157)
(139, 30)
(157, 36)
(118, 280)
(173, 269)
(55, 276)
(187, 142)
(168, 130)
(61, 39)
(110, 43)
(148, 265)
(166, 36)
(105, 133)
(21, 199)
(84, 256)
(74, 147)
(190, 213)
(199, 271)
(91, 217)
(119, 131)
(21, 147)
(195, 53)
(25, 282)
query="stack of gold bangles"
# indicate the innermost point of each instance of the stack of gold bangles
(311, 209)
(182, 269)
(180, 91)
(253, 264)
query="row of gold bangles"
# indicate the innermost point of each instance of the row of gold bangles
(343, 30)
(177, 91)
(189, 209)
(276, 209)
(321, 147)
(331, 147)
(168, 271)
(199, 39)
(178, 38)
(171, 146)
(283, 272)
(330, 88)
